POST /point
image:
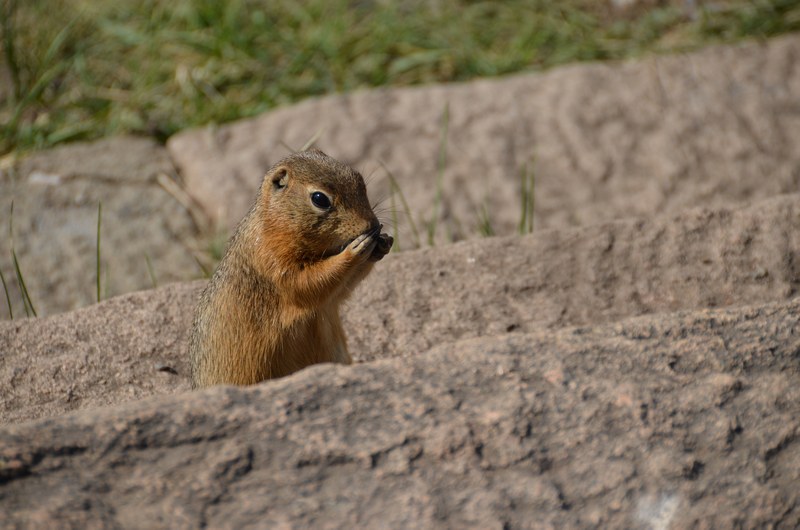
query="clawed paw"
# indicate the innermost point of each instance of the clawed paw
(371, 245)
(363, 245)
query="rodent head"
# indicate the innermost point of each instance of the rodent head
(315, 204)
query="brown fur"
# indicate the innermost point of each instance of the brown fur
(272, 306)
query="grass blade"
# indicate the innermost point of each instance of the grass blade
(396, 188)
(485, 222)
(26, 297)
(26, 300)
(8, 297)
(150, 271)
(203, 269)
(311, 141)
(9, 7)
(531, 198)
(50, 73)
(99, 216)
(395, 221)
(527, 197)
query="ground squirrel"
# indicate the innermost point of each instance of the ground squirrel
(272, 306)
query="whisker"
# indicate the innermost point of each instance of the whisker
(371, 175)
(389, 211)
(380, 201)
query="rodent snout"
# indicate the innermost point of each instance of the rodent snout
(372, 231)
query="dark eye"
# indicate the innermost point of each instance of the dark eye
(320, 200)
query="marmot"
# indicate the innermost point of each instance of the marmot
(272, 305)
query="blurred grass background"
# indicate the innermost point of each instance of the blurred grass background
(80, 69)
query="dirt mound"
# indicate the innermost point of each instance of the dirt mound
(657, 422)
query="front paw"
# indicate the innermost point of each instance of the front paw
(382, 247)
(362, 247)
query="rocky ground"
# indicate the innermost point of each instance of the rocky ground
(632, 363)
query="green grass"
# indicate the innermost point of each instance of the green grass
(442, 165)
(97, 262)
(527, 199)
(396, 191)
(27, 303)
(80, 69)
(150, 271)
(485, 227)
(25, 296)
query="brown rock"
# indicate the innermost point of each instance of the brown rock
(124, 159)
(603, 141)
(123, 349)
(119, 350)
(56, 198)
(470, 434)
(699, 259)
(477, 402)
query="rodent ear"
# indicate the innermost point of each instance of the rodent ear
(280, 178)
